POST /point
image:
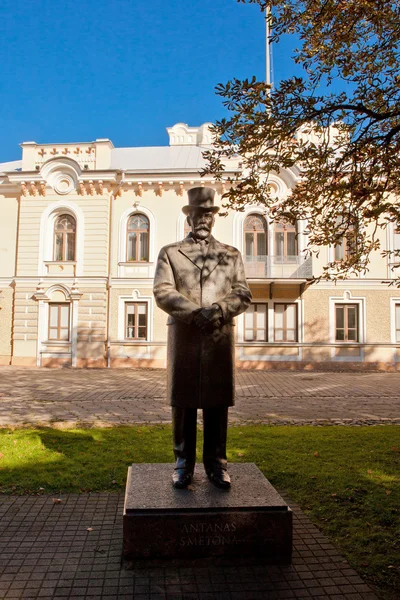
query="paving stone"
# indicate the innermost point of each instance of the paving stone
(45, 550)
(125, 396)
(103, 577)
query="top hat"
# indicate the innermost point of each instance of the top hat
(201, 198)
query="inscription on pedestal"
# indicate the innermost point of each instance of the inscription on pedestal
(205, 521)
(206, 534)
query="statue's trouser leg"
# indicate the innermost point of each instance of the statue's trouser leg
(215, 431)
(184, 423)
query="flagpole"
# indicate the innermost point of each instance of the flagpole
(267, 48)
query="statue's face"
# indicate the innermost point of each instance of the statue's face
(201, 222)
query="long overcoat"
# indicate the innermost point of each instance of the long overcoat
(200, 366)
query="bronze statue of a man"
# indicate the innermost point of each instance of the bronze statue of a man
(201, 284)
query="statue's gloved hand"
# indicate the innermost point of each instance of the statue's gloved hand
(208, 318)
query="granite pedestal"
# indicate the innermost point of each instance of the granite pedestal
(249, 519)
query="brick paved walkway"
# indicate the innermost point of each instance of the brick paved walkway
(125, 396)
(46, 551)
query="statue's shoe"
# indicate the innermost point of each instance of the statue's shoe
(220, 478)
(181, 478)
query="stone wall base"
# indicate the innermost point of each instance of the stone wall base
(137, 363)
(56, 363)
(286, 365)
(24, 361)
(91, 363)
(144, 363)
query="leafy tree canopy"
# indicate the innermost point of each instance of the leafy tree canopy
(343, 144)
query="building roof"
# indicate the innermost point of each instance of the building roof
(14, 165)
(158, 158)
(183, 155)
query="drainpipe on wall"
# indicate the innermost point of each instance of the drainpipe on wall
(15, 285)
(113, 197)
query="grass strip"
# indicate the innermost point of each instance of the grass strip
(347, 479)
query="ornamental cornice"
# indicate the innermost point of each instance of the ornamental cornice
(83, 280)
(65, 177)
(64, 184)
(160, 187)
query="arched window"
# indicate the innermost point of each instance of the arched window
(64, 238)
(138, 238)
(285, 241)
(255, 237)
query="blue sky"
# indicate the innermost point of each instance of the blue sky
(122, 69)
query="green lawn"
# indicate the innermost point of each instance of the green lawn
(346, 478)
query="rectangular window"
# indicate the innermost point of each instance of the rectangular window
(397, 319)
(136, 320)
(285, 327)
(346, 323)
(255, 323)
(59, 322)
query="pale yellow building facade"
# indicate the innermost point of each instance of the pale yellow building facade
(80, 230)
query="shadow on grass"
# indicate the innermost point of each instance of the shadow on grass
(85, 460)
(346, 479)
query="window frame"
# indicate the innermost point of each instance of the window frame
(347, 251)
(396, 329)
(255, 233)
(59, 305)
(395, 259)
(255, 328)
(349, 246)
(345, 306)
(136, 326)
(64, 233)
(137, 245)
(285, 257)
(285, 328)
